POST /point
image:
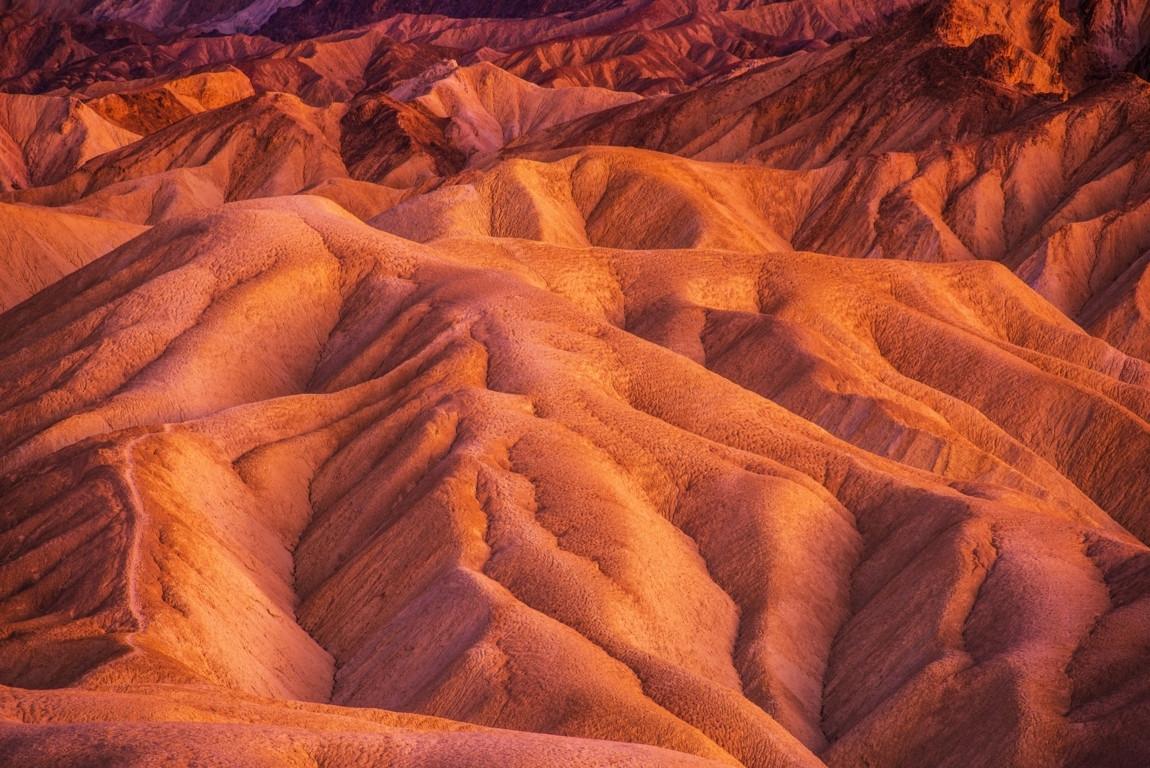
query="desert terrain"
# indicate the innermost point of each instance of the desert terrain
(553, 383)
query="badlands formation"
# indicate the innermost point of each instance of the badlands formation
(610, 383)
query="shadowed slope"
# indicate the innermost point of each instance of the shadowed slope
(148, 106)
(264, 145)
(487, 107)
(48, 137)
(38, 246)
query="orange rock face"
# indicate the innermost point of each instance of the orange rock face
(683, 383)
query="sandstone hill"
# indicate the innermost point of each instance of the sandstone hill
(624, 383)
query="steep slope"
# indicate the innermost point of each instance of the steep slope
(635, 382)
(39, 246)
(265, 145)
(324, 16)
(216, 15)
(43, 53)
(339, 66)
(488, 108)
(515, 450)
(148, 106)
(1054, 191)
(612, 198)
(51, 136)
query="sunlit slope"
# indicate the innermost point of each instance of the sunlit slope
(562, 491)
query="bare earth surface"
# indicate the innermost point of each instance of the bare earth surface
(624, 383)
